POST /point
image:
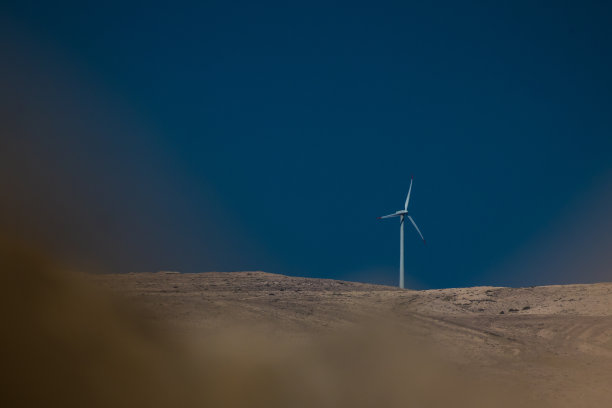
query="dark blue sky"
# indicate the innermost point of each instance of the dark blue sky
(243, 135)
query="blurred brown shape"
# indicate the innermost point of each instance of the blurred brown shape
(64, 344)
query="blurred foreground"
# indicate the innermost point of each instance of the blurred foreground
(257, 339)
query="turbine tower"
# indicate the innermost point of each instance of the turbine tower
(404, 213)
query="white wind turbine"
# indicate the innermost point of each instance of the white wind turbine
(403, 213)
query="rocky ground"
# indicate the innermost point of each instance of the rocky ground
(554, 343)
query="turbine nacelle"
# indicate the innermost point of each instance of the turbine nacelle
(395, 214)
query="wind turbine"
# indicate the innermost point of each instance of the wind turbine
(404, 213)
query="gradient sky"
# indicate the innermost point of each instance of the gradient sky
(248, 135)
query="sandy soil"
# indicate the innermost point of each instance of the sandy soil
(552, 343)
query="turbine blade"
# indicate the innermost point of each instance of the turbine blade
(389, 216)
(408, 196)
(417, 228)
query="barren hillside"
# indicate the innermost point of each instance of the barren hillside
(554, 342)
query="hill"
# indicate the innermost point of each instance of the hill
(552, 343)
